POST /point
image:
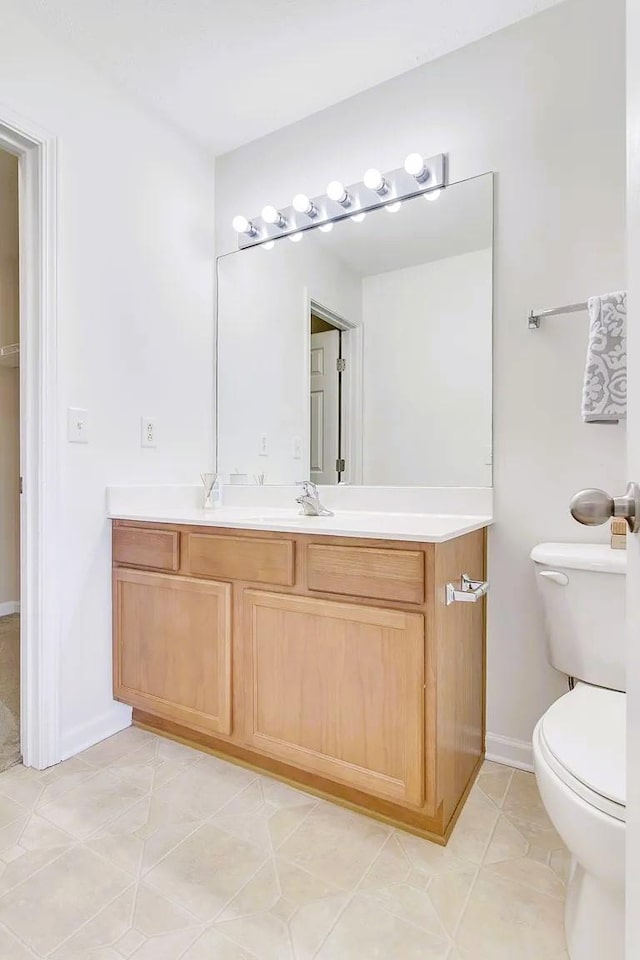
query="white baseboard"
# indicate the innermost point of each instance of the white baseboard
(514, 753)
(87, 734)
(9, 607)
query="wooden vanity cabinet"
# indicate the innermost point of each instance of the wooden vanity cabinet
(172, 647)
(333, 663)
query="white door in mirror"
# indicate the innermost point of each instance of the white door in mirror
(325, 411)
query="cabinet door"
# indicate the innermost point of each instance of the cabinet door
(337, 689)
(172, 647)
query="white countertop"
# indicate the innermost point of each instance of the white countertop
(385, 525)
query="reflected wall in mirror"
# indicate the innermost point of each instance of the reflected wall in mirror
(362, 355)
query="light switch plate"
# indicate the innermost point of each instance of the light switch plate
(77, 425)
(296, 448)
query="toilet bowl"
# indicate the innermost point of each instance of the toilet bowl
(578, 749)
(579, 743)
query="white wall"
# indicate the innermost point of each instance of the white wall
(542, 104)
(427, 374)
(135, 330)
(263, 347)
(9, 388)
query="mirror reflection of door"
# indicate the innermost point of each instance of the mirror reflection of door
(326, 466)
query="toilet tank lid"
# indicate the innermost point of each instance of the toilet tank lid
(581, 556)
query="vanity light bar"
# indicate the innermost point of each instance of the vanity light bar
(345, 201)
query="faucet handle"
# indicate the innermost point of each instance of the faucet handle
(309, 488)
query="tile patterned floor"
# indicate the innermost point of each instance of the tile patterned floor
(9, 691)
(143, 849)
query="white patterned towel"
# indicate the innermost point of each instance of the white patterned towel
(604, 397)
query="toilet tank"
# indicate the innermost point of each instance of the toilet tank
(582, 586)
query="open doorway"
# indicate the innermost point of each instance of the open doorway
(10, 751)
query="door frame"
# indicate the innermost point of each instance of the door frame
(352, 398)
(36, 150)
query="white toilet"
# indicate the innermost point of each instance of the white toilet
(579, 743)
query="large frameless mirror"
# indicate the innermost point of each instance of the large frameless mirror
(362, 354)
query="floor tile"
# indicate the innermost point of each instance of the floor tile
(145, 833)
(213, 946)
(523, 802)
(205, 786)
(114, 749)
(32, 788)
(504, 920)
(283, 907)
(474, 828)
(530, 872)
(366, 930)
(12, 949)
(146, 849)
(335, 845)
(91, 804)
(507, 842)
(48, 907)
(141, 924)
(495, 783)
(206, 870)
(560, 862)
(27, 845)
(264, 817)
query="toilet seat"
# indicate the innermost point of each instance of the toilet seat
(582, 739)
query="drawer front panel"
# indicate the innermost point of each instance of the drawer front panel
(366, 572)
(241, 558)
(139, 547)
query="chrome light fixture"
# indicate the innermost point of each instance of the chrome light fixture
(374, 180)
(336, 191)
(302, 204)
(273, 216)
(419, 176)
(242, 225)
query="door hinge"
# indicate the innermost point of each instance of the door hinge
(341, 365)
(21, 485)
(340, 466)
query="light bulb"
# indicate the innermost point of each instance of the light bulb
(295, 237)
(358, 217)
(337, 192)
(414, 166)
(393, 207)
(273, 216)
(242, 225)
(326, 227)
(269, 245)
(432, 195)
(374, 180)
(302, 204)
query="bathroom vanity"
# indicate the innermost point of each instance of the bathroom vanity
(334, 662)
(343, 653)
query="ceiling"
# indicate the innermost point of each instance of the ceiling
(229, 71)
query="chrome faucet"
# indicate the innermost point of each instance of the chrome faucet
(309, 500)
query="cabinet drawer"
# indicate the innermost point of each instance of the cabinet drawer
(139, 547)
(366, 572)
(240, 558)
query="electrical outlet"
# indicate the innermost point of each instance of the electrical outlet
(296, 448)
(263, 449)
(147, 432)
(77, 425)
